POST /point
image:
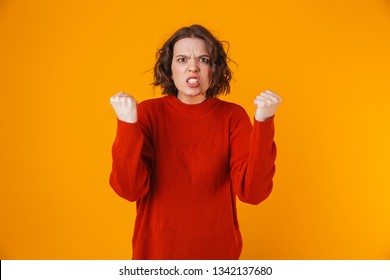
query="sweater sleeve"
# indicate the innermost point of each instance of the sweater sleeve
(132, 161)
(252, 158)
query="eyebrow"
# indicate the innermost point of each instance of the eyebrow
(202, 55)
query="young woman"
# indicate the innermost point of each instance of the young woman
(185, 157)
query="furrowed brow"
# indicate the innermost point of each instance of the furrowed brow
(186, 56)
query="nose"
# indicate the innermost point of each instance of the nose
(193, 66)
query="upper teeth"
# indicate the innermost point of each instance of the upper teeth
(192, 80)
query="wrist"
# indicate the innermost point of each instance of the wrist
(263, 118)
(128, 120)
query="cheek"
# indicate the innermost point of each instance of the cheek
(210, 74)
(175, 71)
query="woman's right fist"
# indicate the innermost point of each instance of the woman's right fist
(125, 107)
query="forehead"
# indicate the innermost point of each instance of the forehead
(190, 46)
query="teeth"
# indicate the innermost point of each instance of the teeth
(192, 81)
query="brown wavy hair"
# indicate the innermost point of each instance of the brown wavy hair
(218, 62)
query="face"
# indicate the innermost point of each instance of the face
(191, 70)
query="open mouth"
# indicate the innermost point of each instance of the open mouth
(193, 82)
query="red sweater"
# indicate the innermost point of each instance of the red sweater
(184, 165)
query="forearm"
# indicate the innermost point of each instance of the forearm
(130, 175)
(261, 162)
(254, 181)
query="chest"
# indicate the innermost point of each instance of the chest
(200, 144)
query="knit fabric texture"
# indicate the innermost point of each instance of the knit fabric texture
(184, 165)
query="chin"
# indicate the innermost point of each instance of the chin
(195, 95)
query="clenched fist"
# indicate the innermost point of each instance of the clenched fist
(266, 104)
(125, 107)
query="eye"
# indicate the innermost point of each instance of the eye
(204, 60)
(181, 59)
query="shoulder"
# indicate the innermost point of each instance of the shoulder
(151, 102)
(150, 110)
(232, 109)
(151, 106)
(236, 115)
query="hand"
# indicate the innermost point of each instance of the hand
(266, 104)
(125, 107)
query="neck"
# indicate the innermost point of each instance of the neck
(191, 99)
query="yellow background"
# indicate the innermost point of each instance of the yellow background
(329, 60)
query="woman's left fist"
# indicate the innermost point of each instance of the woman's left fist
(266, 103)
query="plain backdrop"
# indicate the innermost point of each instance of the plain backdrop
(60, 61)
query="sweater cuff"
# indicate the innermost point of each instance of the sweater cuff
(264, 124)
(264, 132)
(128, 132)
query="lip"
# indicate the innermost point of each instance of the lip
(193, 85)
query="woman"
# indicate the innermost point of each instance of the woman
(186, 156)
